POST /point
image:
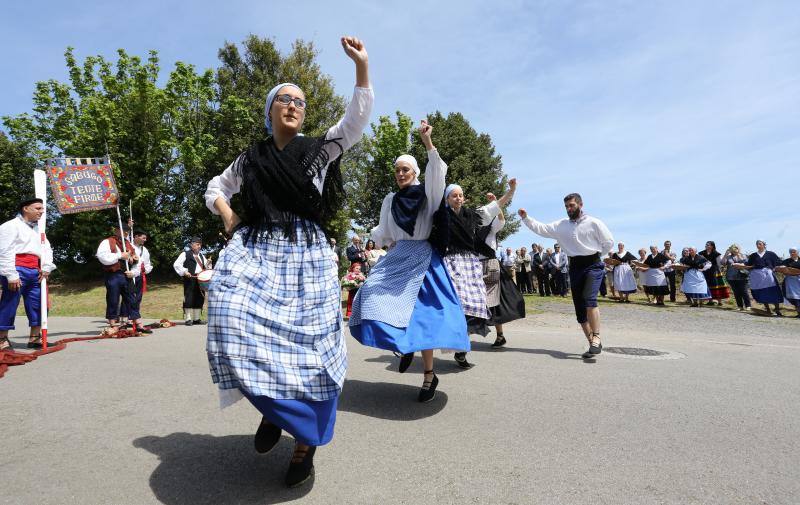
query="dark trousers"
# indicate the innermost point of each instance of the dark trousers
(671, 282)
(118, 293)
(193, 297)
(551, 279)
(524, 282)
(585, 285)
(739, 288)
(543, 282)
(561, 282)
(132, 310)
(603, 287)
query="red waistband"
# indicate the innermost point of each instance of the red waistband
(27, 261)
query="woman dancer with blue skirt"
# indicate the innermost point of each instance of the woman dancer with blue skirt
(694, 284)
(408, 302)
(455, 236)
(763, 284)
(275, 322)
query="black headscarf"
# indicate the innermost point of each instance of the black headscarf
(458, 232)
(278, 188)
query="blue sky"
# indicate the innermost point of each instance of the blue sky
(675, 120)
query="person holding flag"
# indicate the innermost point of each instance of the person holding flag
(116, 258)
(139, 270)
(24, 261)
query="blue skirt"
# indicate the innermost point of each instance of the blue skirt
(309, 422)
(772, 294)
(437, 321)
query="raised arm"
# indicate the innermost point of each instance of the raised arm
(435, 170)
(356, 117)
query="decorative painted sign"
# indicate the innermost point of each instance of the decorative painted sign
(81, 184)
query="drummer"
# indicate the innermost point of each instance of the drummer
(188, 265)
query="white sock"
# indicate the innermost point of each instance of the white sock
(187, 314)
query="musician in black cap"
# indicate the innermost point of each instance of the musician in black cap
(190, 263)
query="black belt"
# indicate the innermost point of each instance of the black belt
(584, 261)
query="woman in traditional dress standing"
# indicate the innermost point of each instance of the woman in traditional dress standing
(653, 277)
(714, 278)
(624, 282)
(409, 303)
(694, 284)
(275, 322)
(763, 283)
(373, 253)
(455, 237)
(790, 268)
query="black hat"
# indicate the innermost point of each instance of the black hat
(196, 239)
(29, 201)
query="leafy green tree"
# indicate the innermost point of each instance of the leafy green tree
(16, 176)
(369, 172)
(471, 159)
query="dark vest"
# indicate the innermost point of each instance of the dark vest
(112, 242)
(190, 264)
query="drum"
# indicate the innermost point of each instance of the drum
(204, 279)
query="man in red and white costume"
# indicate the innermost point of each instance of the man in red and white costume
(24, 262)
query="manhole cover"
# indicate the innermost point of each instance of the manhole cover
(641, 353)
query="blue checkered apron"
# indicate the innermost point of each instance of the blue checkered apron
(274, 319)
(466, 272)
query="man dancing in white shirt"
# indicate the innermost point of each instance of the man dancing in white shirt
(586, 240)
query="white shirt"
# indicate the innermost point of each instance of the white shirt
(144, 260)
(388, 232)
(491, 238)
(19, 237)
(348, 129)
(104, 254)
(198, 267)
(583, 237)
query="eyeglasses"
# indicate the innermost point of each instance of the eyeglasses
(287, 99)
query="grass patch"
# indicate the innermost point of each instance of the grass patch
(163, 300)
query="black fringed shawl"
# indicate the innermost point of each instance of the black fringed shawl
(278, 190)
(696, 262)
(455, 233)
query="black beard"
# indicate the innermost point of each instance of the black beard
(574, 215)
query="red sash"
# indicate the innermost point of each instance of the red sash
(27, 261)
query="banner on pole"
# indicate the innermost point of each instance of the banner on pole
(81, 184)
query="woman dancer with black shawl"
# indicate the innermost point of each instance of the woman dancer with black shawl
(275, 322)
(408, 302)
(455, 237)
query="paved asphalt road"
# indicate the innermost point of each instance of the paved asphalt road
(136, 421)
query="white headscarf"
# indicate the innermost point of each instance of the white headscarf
(271, 98)
(449, 189)
(411, 161)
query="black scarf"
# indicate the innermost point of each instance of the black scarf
(406, 205)
(278, 188)
(657, 261)
(696, 262)
(455, 233)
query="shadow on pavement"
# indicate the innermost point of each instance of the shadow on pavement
(386, 400)
(197, 469)
(486, 347)
(443, 366)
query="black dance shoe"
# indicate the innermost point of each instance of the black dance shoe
(405, 361)
(267, 436)
(428, 390)
(144, 329)
(199, 321)
(301, 468)
(189, 322)
(499, 342)
(461, 360)
(594, 350)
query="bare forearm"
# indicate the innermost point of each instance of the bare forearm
(362, 74)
